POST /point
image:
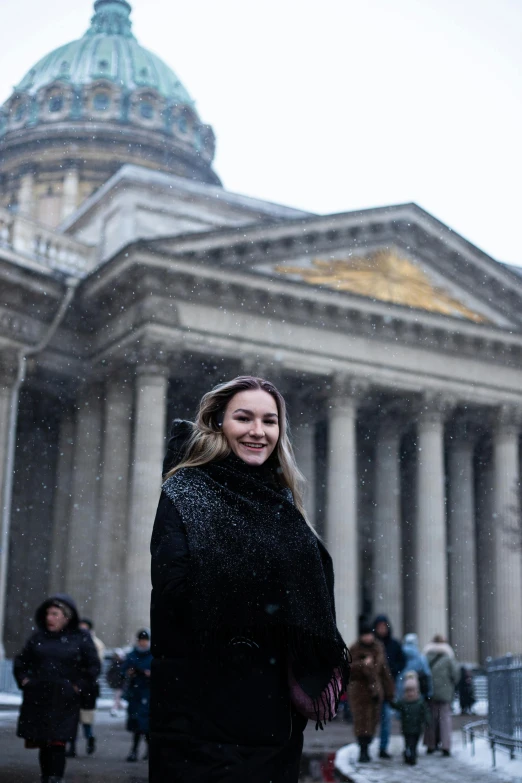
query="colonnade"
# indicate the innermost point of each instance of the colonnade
(467, 567)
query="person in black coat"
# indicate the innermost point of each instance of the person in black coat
(396, 663)
(58, 663)
(244, 641)
(136, 670)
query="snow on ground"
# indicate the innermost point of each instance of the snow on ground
(462, 767)
(10, 699)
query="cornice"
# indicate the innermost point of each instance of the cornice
(131, 279)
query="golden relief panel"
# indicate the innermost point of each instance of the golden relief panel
(385, 276)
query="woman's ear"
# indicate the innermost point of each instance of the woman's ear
(219, 418)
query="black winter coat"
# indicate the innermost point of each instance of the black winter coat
(54, 663)
(226, 723)
(394, 652)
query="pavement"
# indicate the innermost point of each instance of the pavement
(108, 764)
(460, 768)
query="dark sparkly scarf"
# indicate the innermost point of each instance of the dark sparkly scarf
(257, 570)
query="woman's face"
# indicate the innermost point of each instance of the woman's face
(55, 619)
(251, 425)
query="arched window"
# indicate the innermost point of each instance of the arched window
(55, 103)
(101, 101)
(146, 110)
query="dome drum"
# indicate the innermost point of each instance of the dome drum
(100, 101)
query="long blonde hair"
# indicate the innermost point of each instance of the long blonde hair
(208, 443)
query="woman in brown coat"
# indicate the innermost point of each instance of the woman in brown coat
(370, 684)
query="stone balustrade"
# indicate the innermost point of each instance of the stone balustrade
(42, 244)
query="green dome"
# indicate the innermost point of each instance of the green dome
(108, 50)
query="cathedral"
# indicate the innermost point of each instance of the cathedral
(132, 282)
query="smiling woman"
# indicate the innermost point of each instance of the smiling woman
(244, 637)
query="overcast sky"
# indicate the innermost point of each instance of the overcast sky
(334, 105)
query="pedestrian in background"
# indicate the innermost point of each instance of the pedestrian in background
(417, 662)
(371, 684)
(244, 637)
(136, 670)
(57, 665)
(115, 679)
(445, 674)
(466, 691)
(414, 715)
(88, 698)
(396, 662)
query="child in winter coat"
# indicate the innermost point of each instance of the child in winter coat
(414, 716)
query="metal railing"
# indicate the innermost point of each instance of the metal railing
(505, 697)
(503, 727)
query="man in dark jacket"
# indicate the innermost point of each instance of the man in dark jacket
(396, 663)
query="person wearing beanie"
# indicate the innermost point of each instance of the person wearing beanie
(57, 665)
(136, 671)
(370, 685)
(414, 715)
(396, 662)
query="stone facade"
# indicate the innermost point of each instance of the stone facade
(397, 343)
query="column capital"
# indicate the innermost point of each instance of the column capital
(345, 389)
(391, 418)
(434, 407)
(506, 419)
(8, 366)
(150, 359)
(465, 429)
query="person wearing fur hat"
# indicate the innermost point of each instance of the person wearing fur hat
(445, 676)
(136, 671)
(371, 683)
(57, 665)
(414, 715)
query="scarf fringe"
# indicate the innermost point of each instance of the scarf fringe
(303, 652)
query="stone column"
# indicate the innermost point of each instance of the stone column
(84, 516)
(485, 544)
(71, 184)
(26, 194)
(462, 543)
(110, 584)
(148, 453)
(507, 565)
(8, 401)
(341, 534)
(62, 503)
(430, 533)
(387, 554)
(303, 441)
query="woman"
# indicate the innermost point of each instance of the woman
(371, 683)
(243, 617)
(445, 676)
(136, 669)
(57, 665)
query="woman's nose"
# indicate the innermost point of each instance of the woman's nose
(257, 429)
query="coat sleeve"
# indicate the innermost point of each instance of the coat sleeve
(23, 662)
(169, 552)
(387, 680)
(90, 666)
(427, 671)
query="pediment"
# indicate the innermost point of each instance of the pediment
(388, 276)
